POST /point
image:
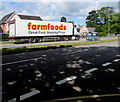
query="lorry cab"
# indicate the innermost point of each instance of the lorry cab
(76, 32)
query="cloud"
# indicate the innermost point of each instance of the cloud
(47, 1)
(111, 4)
(54, 10)
(71, 9)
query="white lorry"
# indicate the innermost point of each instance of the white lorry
(36, 31)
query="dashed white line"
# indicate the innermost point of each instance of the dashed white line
(73, 52)
(106, 64)
(116, 60)
(20, 61)
(29, 94)
(91, 70)
(25, 96)
(66, 80)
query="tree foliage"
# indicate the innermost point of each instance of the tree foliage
(104, 19)
(116, 28)
(92, 19)
(115, 18)
(98, 28)
(104, 13)
(63, 19)
(70, 22)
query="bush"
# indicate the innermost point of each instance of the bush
(98, 28)
(4, 35)
(32, 48)
(102, 34)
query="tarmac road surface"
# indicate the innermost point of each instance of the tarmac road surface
(72, 71)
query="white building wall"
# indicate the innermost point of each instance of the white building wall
(83, 30)
(13, 18)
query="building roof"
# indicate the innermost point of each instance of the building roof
(91, 29)
(30, 17)
(6, 17)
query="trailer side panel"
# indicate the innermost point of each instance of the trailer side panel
(32, 28)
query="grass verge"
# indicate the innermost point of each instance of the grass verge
(7, 42)
(46, 47)
(32, 48)
(93, 42)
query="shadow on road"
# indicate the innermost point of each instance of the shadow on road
(42, 73)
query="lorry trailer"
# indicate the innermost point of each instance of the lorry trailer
(36, 31)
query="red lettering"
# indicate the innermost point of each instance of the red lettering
(52, 27)
(38, 27)
(56, 27)
(29, 25)
(33, 27)
(61, 27)
(48, 26)
(45, 27)
(64, 27)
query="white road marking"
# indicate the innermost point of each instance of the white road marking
(20, 61)
(34, 59)
(91, 70)
(77, 46)
(111, 45)
(25, 96)
(11, 83)
(66, 80)
(118, 55)
(73, 52)
(116, 60)
(77, 88)
(29, 94)
(106, 64)
(112, 70)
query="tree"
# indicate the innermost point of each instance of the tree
(63, 19)
(115, 23)
(104, 13)
(93, 19)
(116, 28)
(98, 28)
(105, 28)
(104, 20)
(115, 18)
(70, 22)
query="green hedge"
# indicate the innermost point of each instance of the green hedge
(102, 34)
(32, 48)
(47, 47)
(4, 35)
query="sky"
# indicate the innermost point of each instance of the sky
(53, 10)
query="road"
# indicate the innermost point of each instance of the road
(94, 70)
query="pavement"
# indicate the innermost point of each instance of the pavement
(38, 44)
(11, 45)
(73, 71)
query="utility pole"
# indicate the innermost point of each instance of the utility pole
(109, 15)
(108, 24)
